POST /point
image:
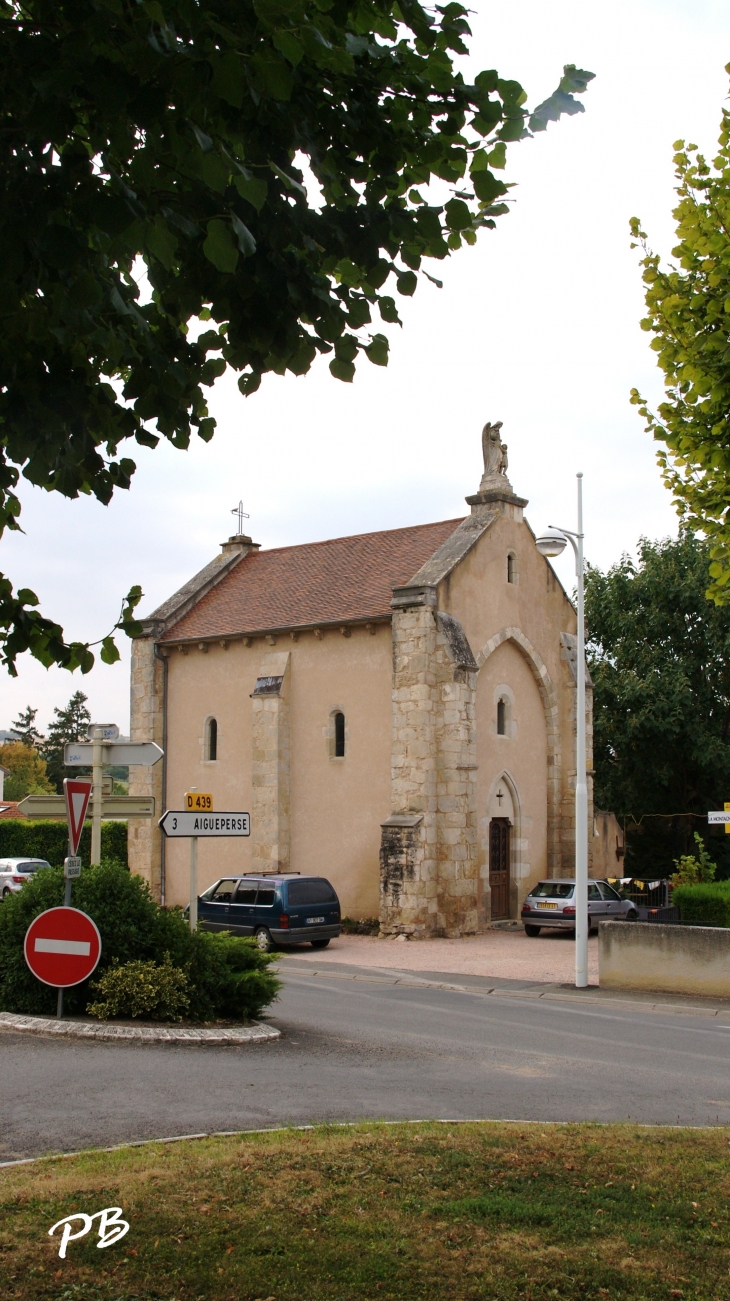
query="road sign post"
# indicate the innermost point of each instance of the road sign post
(193, 916)
(76, 795)
(190, 824)
(96, 775)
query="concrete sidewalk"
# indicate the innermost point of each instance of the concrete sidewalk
(502, 954)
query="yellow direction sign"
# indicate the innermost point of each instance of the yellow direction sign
(198, 802)
(727, 824)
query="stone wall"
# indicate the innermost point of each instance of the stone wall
(673, 959)
(429, 857)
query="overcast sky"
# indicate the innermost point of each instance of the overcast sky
(537, 326)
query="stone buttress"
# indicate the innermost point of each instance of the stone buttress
(271, 764)
(429, 855)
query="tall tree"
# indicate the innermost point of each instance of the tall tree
(659, 655)
(27, 771)
(173, 136)
(25, 729)
(69, 724)
(688, 304)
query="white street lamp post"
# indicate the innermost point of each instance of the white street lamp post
(552, 543)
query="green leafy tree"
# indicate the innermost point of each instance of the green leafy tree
(25, 729)
(169, 137)
(27, 771)
(69, 724)
(688, 312)
(659, 655)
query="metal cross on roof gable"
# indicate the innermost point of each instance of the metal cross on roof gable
(240, 512)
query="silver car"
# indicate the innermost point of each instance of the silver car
(551, 905)
(14, 872)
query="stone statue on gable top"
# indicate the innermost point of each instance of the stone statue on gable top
(495, 458)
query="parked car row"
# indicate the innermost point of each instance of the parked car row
(291, 909)
(551, 905)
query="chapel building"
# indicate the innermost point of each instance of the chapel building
(396, 710)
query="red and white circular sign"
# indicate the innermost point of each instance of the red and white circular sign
(62, 947)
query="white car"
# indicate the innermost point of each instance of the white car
(14, 872)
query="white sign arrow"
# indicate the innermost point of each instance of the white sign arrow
(181, 823)
(112, 806)
(718, 818)
(79, 754)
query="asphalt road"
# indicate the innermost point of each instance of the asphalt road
(357, 1048)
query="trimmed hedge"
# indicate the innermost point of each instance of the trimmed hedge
(227, 975)
(708, 901)
(43, 838)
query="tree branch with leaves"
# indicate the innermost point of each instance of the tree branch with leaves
(688, 312)
(168, 135)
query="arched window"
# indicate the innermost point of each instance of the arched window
(339, 721)
(211, 739)
(502, 717)
(511, 567)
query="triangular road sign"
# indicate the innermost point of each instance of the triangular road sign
(78, 794)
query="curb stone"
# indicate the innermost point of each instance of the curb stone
(254, 1033)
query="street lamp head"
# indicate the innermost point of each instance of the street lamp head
(551, 543)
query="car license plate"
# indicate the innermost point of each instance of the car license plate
(546, 905)
(314, 921)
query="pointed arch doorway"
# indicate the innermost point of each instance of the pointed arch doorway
(499, 861)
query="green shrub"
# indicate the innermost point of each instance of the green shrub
(228, 976)
(141, 989)
(694, 870)
(704, 902)
(43, 838)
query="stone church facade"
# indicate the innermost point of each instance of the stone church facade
(396, 711)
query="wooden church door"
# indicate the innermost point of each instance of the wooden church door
(499, 867)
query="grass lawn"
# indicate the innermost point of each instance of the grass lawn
(452, 1211)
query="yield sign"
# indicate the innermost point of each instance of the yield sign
(62, 947)
(78, 794)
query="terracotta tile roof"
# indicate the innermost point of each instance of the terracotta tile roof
(9, 808)
(321, 582)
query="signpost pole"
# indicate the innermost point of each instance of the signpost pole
(66, 904)
(193, 883)
(97, 778)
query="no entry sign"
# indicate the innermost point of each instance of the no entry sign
(62, 947)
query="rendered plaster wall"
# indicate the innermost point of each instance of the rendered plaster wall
(336, 805)
(513, 768)
(673, 959)
(215, 684)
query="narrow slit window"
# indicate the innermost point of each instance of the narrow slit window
(339, 735)
(212, 746)
(510, 568)
(501, 718)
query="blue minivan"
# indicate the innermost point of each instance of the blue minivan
(285, 909)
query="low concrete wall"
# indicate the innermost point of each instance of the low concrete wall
(675, 959)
